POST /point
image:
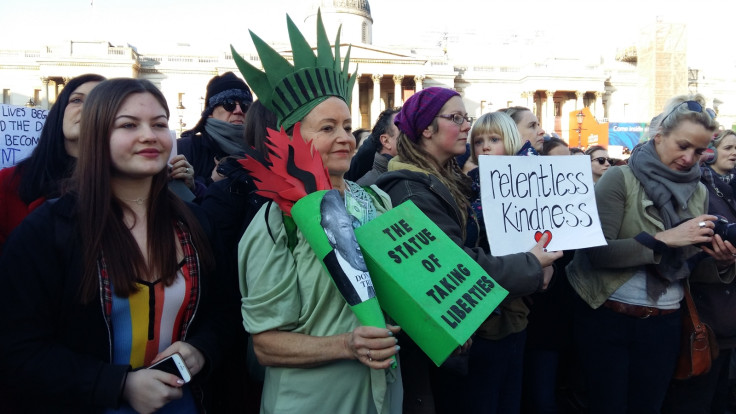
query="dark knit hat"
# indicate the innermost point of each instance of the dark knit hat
(420, 109)
(224, 87)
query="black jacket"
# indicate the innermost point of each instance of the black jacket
(520, 273)
(716, 303)
(55, 352)
(201, 151)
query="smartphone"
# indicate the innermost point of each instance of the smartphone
(173, 364)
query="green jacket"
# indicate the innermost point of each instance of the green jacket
(629, 221)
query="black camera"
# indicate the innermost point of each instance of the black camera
(726, 230)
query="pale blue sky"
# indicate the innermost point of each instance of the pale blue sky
(214, 24)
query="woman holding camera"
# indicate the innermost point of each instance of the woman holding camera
(113, 276)
(652, 212)
(716, 303)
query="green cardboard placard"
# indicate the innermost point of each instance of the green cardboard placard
(428, 284)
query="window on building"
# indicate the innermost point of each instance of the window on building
(6, 96)
(37, 97)
(483, 105)
(558, 109)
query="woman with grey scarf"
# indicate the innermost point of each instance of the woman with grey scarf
(220, 130)
(652, 212)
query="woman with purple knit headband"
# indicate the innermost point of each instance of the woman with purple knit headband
(434, 128)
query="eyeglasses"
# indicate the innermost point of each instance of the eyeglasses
(692, 106)
(229, 105)
(456, 118)
(602, 160)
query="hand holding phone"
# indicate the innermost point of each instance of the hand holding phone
(174, 364)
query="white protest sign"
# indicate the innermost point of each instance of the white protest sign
(20, 128)
(526, 197)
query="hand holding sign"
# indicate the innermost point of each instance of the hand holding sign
(546, 258)
(538, 235)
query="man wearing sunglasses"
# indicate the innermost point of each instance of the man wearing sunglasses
(219, 132)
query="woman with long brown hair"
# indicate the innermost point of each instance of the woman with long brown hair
(434, 128)
(113, 276)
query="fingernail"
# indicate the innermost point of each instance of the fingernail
(397, 340)
(390, 333)
(180, 382)
(397, 348)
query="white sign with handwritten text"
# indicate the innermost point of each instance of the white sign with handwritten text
(526, 197)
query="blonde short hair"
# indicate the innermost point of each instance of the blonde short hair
(496, 123)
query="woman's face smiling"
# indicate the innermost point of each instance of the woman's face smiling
(329, 128)
(681, 148)
(140, 142)
(449, 139)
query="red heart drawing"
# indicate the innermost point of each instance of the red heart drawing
(538, 235)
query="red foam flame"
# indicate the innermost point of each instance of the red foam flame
(274, 181)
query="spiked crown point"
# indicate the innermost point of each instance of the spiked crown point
(291, 92)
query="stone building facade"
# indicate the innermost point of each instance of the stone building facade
(631, 88)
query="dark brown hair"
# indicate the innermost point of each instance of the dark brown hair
(43, 173)
(257, 120)
(449, 174)
(100, 213)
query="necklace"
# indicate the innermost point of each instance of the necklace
(139, 200)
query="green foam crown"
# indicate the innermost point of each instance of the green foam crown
(291, 92)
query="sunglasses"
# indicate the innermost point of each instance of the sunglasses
(691, 106)
(229, 105)
(602, 160)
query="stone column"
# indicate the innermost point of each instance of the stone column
(355, 103)
(398, 99)
(44, 93)
(599, 105)
(530, 103)
(376, 104)
(549, 113)
(579, 100)
(419, 81)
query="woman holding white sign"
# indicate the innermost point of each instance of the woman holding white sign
(653, 216)
(434, 127)
(40, 176)
(496, 364)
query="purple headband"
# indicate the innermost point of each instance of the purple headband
(420, 109)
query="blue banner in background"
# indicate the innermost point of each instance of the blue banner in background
(627, 134)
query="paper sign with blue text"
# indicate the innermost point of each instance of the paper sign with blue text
(20, 128)
(524, 198)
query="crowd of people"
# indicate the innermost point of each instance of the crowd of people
(107, 267)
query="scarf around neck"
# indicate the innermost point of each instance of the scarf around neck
(229, 137)
(670, 191)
